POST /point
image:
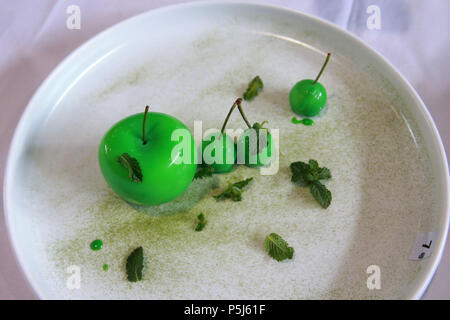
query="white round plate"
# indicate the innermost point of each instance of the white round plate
(389, 185)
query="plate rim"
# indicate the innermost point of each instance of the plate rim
(20, 128)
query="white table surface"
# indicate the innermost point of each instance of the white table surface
(34, 39)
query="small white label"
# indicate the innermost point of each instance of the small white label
(374, 20)
(423, 246)
(374, 280)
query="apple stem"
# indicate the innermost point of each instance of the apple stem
(236, 103)
(323, 67)
(243, 114)
(143, 125)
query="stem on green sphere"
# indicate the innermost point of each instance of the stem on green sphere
(323, 67)
(243, 114)
(143, 125)
(236, 103)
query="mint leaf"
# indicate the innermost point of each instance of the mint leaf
(134, 170)
(243, 183)
(135, 265)
(204, 172)
(313, 165)
(299, 167)
(201, 222)
(254, 87)
(324, 174)
(309, 174)
(299, 170)
(277, 248)
(321, 194)
(231, 192)
(234, 191)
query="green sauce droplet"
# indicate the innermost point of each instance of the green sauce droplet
(96, 245)
(306, 121)
(105, 267)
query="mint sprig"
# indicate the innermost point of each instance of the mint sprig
(277, 247)
(234, 191)
(254, 87)
(309, 175)
(132, 165)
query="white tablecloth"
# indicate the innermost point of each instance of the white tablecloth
(414, 36)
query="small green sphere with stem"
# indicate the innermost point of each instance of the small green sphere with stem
(255, 145)
(222, 143)
(308, 97)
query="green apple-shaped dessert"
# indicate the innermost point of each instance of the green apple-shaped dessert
(144, 164)
(308, 97)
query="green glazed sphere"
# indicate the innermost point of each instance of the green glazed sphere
(254, 156)
(223, 142)
(164, 179)
(308, 98)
